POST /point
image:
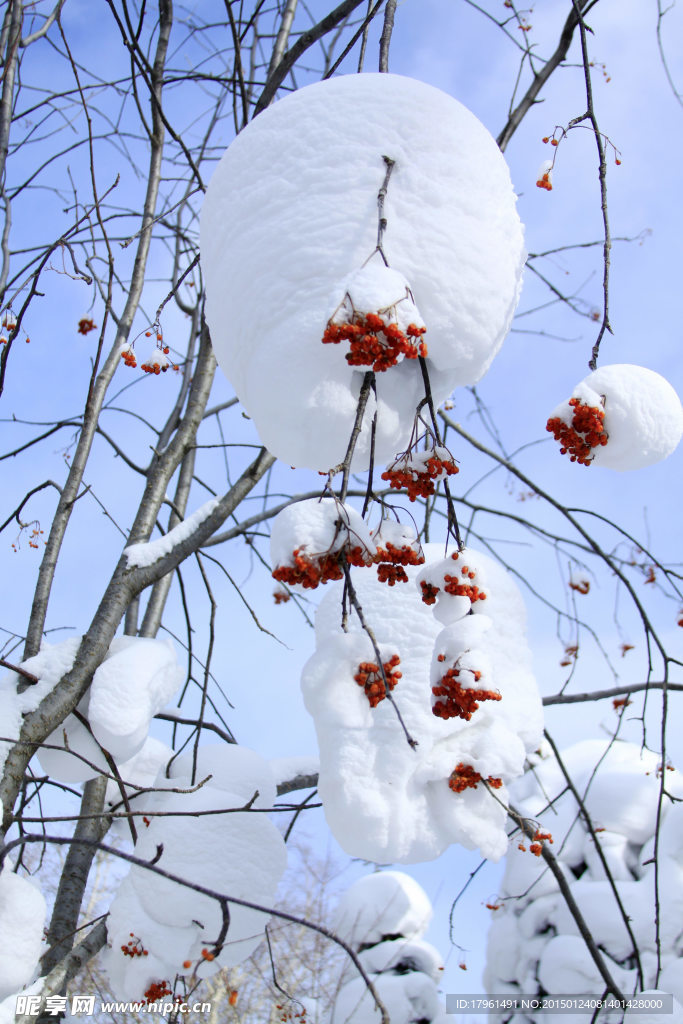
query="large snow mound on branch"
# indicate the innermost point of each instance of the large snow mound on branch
(22, 916)
(289, 218)
(137, 677)
(534, 941)
(384, 800)
(206, 836)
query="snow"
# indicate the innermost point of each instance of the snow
(233, 769)
(403, 955)
(643, 415)
(317, 527)
(134, 681)
(139, 773)
(376, 288)
(22, 916)
(534, 940)
(407, 998)
(385, 801)
(142, 555)
(51, 663)
(284, 769)
(382, 916)
(289, 227)
(382, 904)
(236, 853)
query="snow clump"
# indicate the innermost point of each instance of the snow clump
(309, 538)
(136, 679)
(388, 801)
(621, 416)
(288, 241)
(383, 917)
(159, 929)
(22, 916)
(534, 943)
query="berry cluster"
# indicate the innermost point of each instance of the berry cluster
(157, 990)
(128, 356)
(310, 570)
(134, 947)
(158, 363)
(587, 431)
(460, 586)
(291, 1014)
(406, 554)
(391, 574)
(458, 701)
(374, 343)
(370, 678)
(465, 777)
(419, 475)
(545, 181)
(392, 559)
(429, 592)
(85, 325)
(281, 596)
(536, 848)
(581, 586)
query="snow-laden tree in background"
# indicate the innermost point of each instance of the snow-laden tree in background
(603, 838)
(383, 916)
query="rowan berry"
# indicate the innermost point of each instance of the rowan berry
(585, 432)
(370, 678)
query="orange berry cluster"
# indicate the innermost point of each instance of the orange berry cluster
(156, 368)
(391, 574)
(281, 596)
(370, 678)
(206, 955)
(580, 586)
(536, 847)
(312, 570)
(85, 325)
(429, 592)
(465, 777)
(8, 325)
(587, 431)
(393, 558)
(157, 990)
(419, 483)
(128, 356)
(458, 586)
(35, 533)
(291, 1014)
(545, 182)
(406, 554)
(456, 701)
(461, 587)
(134, 947)
(374, 343)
